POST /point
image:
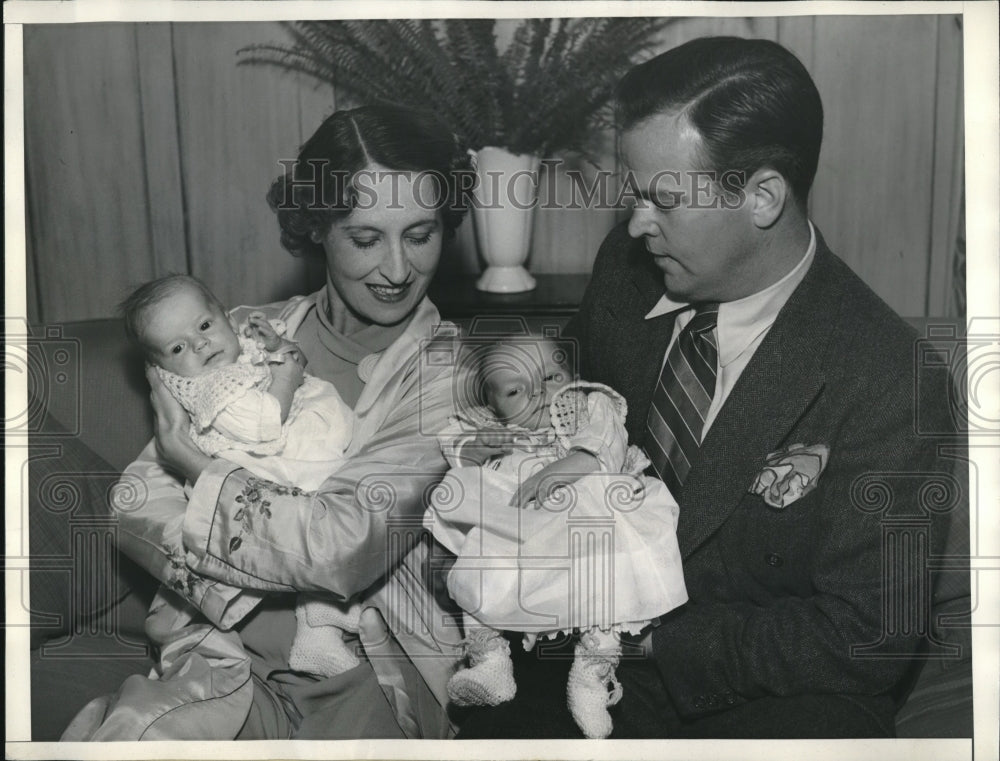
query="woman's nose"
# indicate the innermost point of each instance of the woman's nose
(395, 267)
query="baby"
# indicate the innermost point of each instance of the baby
(251, 402)
(595, 552)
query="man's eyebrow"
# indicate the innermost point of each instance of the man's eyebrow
(663, 196)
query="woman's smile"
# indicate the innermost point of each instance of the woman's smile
(390, 294)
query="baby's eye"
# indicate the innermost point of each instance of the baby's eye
(206, 325)
(513, 392)
(177, 349)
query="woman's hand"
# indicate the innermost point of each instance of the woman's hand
(171, 425)
(562, 472)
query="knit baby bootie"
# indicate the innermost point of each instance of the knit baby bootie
(587, 690)
(319, 648)
(489, 679)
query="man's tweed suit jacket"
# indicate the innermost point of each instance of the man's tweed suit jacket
(781, 598)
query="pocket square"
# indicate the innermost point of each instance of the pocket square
(790, 474)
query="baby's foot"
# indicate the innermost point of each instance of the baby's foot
(489, 680)
(592, 674)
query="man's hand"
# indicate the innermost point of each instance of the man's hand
(554, 475)
(171, 424)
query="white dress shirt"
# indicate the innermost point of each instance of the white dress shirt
(741, 326)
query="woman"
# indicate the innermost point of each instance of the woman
(376, 191)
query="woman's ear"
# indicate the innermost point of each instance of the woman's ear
(768, 192)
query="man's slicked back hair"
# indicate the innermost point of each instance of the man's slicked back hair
(752, 101)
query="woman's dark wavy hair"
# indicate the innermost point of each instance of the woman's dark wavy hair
(752, 101)
(319, 189)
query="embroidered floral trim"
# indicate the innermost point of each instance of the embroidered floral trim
(180, 578)
(253, 501)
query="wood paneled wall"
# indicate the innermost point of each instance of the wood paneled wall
(149, 151)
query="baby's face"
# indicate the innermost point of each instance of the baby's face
(521, 382)
(188, 335)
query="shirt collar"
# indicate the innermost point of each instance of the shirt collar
(742, 321)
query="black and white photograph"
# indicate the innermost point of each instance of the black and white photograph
(468, 372)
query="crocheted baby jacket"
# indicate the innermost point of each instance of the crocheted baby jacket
(568, 414)
(205, 396)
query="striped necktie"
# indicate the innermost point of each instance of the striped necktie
(682, 397)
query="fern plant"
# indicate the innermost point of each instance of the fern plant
(541, 95)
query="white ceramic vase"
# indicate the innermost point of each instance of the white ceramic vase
(506, 196)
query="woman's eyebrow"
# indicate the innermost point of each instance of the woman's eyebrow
(431, 222)
(424, 223)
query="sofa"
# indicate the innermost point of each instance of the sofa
(88, 416)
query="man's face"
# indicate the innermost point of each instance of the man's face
(703, 246)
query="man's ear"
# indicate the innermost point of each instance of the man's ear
(768, 193)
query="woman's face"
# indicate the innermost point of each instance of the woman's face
(380, 258)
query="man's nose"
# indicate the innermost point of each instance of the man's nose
(641, 223)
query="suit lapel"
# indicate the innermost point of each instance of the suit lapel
(775, 389)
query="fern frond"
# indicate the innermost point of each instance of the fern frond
(543, 94)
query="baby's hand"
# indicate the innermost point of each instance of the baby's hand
(485, 446)
(497, 438)
(291, 350)
(259, 328)
(556, 474)
(287, 374)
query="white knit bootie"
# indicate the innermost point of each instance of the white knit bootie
(319, 648)
(489, 680)
(593, 672)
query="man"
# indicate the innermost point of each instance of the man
(771, 388)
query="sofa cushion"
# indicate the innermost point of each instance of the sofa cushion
(77, 574)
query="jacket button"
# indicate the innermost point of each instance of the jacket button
(730, 699)
(774, 560)
(699, 702)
